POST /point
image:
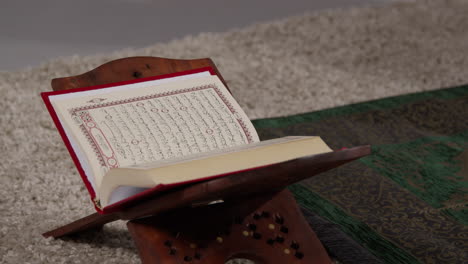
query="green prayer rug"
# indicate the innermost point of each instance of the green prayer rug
(405, 203)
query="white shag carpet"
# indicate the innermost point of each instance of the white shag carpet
(298, 64)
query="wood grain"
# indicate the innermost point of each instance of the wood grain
(265, 229)
(129, 69)
(230, 188)
(217, 231)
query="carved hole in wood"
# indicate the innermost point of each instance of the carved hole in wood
(137, 74)
(236, 213)
(262, 226)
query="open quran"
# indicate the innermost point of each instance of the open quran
(131, 139)
(158, 141)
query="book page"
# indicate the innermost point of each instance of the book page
(126, 128)
(76, 147)
(116, 184)
(128, 86)
(217, 152)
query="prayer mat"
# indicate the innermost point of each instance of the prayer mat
(407, 201)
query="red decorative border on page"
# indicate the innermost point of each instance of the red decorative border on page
(91, 130)
(90, 126)
(45, 97)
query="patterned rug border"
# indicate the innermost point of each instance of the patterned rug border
(439, 180)
(385, 103)
(359, 231)
(366, 231)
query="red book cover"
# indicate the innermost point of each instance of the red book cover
(130, 200)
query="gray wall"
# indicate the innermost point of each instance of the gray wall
(34, 31)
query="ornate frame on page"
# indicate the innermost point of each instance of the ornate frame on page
(251, 214)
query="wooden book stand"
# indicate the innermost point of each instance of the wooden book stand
(258, 220)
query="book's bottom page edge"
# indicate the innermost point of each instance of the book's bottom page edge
(162, 189)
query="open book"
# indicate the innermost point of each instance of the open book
(129, 139)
